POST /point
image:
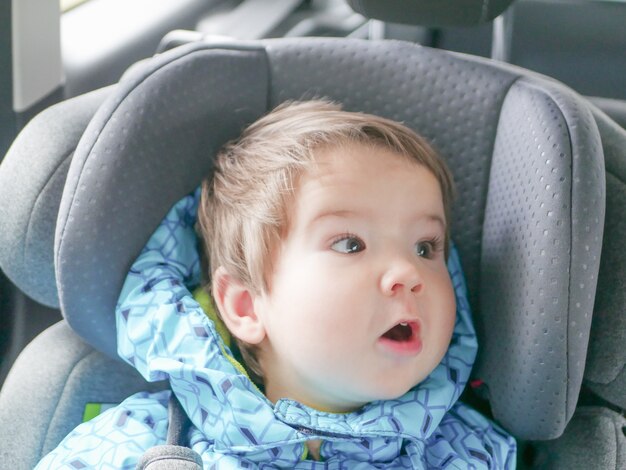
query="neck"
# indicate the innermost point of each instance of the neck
(275, 392)
(314, 449)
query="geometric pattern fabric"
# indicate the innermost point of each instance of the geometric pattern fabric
(164, 334)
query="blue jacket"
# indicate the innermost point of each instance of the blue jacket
(164, 334)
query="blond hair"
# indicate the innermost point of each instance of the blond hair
(242, 215)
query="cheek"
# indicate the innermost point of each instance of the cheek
(314, 312)
(323, 307)
(312, 283)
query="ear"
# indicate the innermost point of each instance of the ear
(236, 305)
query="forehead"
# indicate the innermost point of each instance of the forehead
(355, 176)
(349, 161)
(356, 153)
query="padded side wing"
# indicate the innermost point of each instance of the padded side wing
(541, 252)
(149, 144)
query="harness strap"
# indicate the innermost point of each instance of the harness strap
(174, 454)
(179, 423)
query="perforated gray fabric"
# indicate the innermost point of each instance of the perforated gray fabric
(541, 248)
(605, 372)
(40, 155)
(146, 147)
(607, 353)
(431, 12)
(594, 439)
(452, 101)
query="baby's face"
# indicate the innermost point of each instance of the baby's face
(361, 306)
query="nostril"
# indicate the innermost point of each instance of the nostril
(396, 287)
(416, 288)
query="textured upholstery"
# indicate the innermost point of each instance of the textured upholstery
(594, 439)
(41, 156)
(153, 140)
(605, 372)
(155, 137)
(431, 12)
(544, 208)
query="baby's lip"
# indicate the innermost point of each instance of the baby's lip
(403, 338)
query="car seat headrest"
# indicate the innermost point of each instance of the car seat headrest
(147, 146)
(132, 129)
(525, 182)
(433, 13)
(31, 181)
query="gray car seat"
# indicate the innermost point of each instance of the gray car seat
(528, 156)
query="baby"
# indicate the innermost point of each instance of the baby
(327, 235)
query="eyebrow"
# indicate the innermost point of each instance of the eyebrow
(330, 213)
(436, 218)
(334, 213)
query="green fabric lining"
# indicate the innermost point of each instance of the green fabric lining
(206, 303)
(93, 409)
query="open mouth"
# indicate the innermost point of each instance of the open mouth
(402, 339)
(400, 332)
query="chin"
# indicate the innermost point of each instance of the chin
(393, 392)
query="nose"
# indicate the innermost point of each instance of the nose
(401, 275)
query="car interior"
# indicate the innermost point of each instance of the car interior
(525, 100)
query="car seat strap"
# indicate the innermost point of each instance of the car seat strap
(174, 453)
(178, 423)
